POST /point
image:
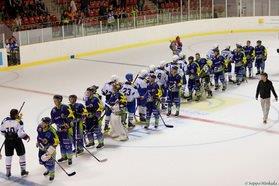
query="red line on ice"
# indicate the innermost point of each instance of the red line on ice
(181, 116)
(228, 124)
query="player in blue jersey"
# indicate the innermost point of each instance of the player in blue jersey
(205, 70)
(80, 113)
(239, 60)
(47, 141)
(228, 54)
(174, 84)
(193, 72)
(94, 106)
(261, 56)
(218, 67)
(250, 57)
(61, 116)
(153, 98)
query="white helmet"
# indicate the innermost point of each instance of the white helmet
(175, 58)
(143, 73)
(215, 46)
(152, 67)
(114, 78)
(181, 55)
(162, 64)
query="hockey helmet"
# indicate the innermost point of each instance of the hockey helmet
(58, 97)
(129, 77)
(114, 78)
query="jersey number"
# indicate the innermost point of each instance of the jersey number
(127, 91)
(10, 130)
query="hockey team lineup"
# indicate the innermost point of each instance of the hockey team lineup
(192, 109)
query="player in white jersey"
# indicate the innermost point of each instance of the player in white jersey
(174, 62)
(141, 85)
(12, 129)
(210, 53)
(131, 93)
(107, 92)
(183, 68)
(161, 80)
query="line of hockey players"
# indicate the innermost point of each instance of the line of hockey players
(76, 126)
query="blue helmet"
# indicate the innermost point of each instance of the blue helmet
(129, 77)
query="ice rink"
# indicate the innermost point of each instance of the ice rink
(216, 142)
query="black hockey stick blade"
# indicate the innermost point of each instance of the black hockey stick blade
(71, 174)
(103, 160)
(168, 126)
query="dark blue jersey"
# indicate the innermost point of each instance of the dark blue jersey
(218, 64)
(78, 110)
(153, 92)
(47, 137)
(61, 115)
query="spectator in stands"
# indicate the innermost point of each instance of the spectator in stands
(47, 21)
(64, 18)
(134, 12)
(73, 6)
(123, 3)
(140, 4)
(102, 11)
(85, 6)
(111, 20)
(18, 22)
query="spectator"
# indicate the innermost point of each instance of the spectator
(140, 4)
(47, 21)
(102, 11)
(85, 6)
(111, 20)
(73, 6)
(18, 22)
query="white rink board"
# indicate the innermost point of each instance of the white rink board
(54, 49)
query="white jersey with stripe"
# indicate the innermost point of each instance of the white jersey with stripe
(13, 127)
(161, 77)
(227, 54)
(130, 92)
(107, 89)
(210, 54)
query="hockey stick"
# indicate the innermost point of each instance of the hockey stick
(76, 146)
(103, 160)
(166, 125)
(40, 146)
(4, 141)
(1, 149)
(68, 174)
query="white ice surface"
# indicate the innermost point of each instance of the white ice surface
(230, 148)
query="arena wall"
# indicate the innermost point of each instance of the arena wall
(55, 51)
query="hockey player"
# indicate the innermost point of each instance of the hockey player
(141, 85)
(107, 92)
(227, 54)
(179, 45)
(218, 66)
(161, 80)
(80, 113)
(174, 85)
(47, 141)
(193, 71)
(261, 56)
(250, 57)
(153, 99)
(94, 106)
(131, 93)
(210, 54)
(182, 63)
(205, 69)
(239, 60)
(12, 128)
(117, 103)
(61, 116)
